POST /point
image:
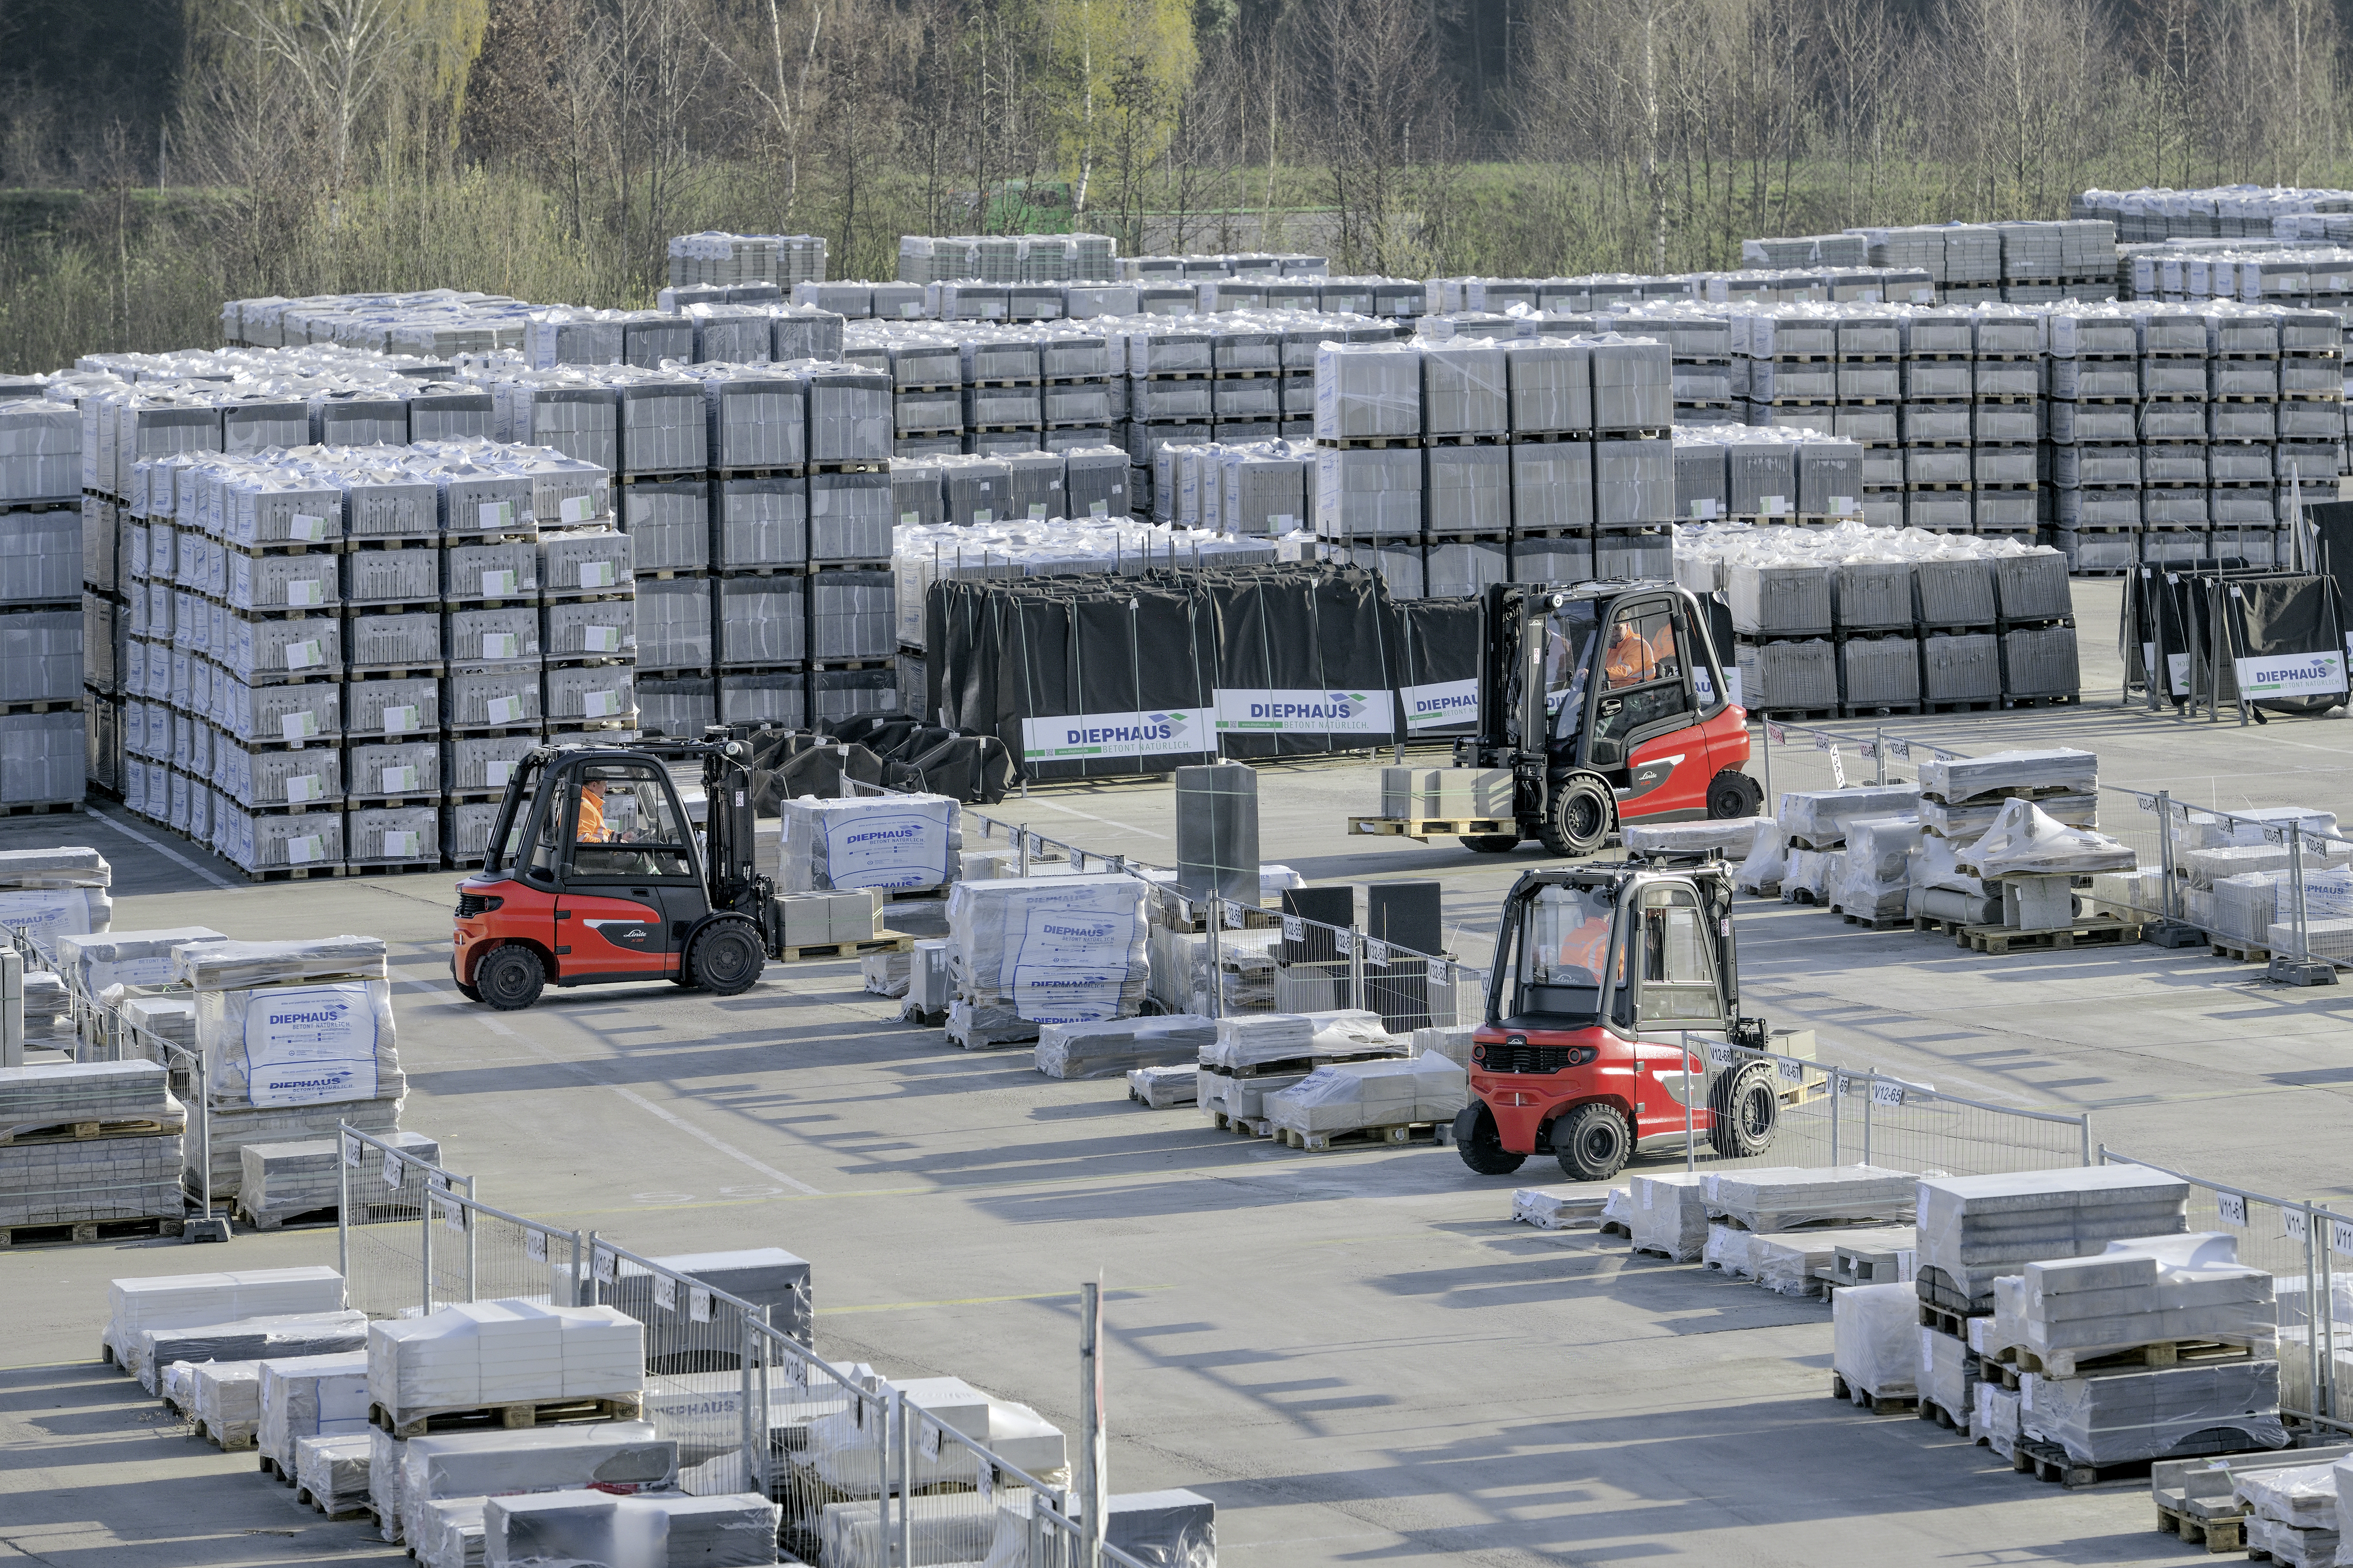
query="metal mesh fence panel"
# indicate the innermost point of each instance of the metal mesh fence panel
(2141, 822)
(828, 1457)
(704, 1376)
(509, 1258)
(381, 1229)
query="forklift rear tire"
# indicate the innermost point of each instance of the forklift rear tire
(726, 959)
(1747, 1107)
(511, 978)
(1583, 811)
(1480, 1146)
(1592, 1144)
(1733, 794)
(1491, 843)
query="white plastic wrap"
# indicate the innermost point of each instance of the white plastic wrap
(2118, 1417)
(1731, 838)
(1873, 1342)
(1619, 1210)
(305, 1044)
(2025, 841)
(1784, 1197)
(248, 1338)
(1669, 1215)
(1256, 1039)
(189, 1301)
(1730, 1248)
(227, 1398)
(1996, 1418)
(449, 1533)
(1955, 780)
(1117, 1047)
(1050, 950)
(1791, 1262)
(2301, 1494)
(1948, 1373)
(132, 958)
(333, 1471)
(1974, 1227)
(646, 1530)
(624, 1455)
(1876, 877)
(1819, 818)
(1767, 862)
(1936, 863)
(477, 1353)
(902, 842)
(2137, 1292)
(241, 965)
(1345, 1097)
(841, 1450)
(310, 1396)
(1562, 1208)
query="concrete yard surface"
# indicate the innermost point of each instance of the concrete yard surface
(1355, 1354)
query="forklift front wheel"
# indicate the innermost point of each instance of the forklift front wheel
(726, 958)
(1746, 1107)
(511, 978)
(1491, 843)
(1579, 820)
(1733, 794)
(1592, 1144)
(1482, 1148)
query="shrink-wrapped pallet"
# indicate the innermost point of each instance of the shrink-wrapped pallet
(246, 1339)
(1876, 879)
(1955, 779)
(645, 1530)
(1116, 1047)
(2025, 841)
(1345, 1097)
(1973, 1228)
(185, 1300)
(57, 892)
(1819, 819)
(281, 1180)
(903, 843)
(474, 1354)
(1731, 1249)
(616, 1454)
(1669, 1215)
(841, 1447)
(302, 1398)
(765, 1277)
(449, 1533)
(132, 958)
(1996, 1418)
(1773, 1198)
(1563, 1208)
(2121, 1416)
(332, 1471)
(48, 1094)
(1165, 1087)
(2139, 1292)
(1948, 1373)
(228, 1399)
(1873, 1340)
(1792, 1262)
(1029, 951)
(1257, 1040)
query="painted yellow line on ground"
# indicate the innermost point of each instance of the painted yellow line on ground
(1112, 1291)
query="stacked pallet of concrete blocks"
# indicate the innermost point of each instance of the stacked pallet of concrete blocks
(2006, 389)
(1633, 461)
(1024, 953)
(139, 1306)
(1963, 797)
(1814, 826)
(1973, 1228)
(1789, 356)
(1874, 1343)
(1386, 1098)
(2310, 425)
(472, 1355)
(297, 1036)
(1782, 614)
(1256, 1057)
(650, 1530)
(279, 1182)
(1368, 434)
(2036, 623)
(112, 1153)
(1548, 383)
(2291, 1510)
(1936, 421)
(1668, 1215)
(58, 629)
(1119, 1046)
(2174, 431)
(2095, 457)
(2103, 1404)
(408, 1480)
(1466, 467)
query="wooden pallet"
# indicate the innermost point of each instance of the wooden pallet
(1956, 1422)
(42, 808)
(1396, 1134)
(269, 1467)
(1875, 922)
(1945, 1321)
(2018, 1361)
(2219, 1534)
(83, 1132)
(358, 1510)
(890, 942)
(299, 1219)
(506, 1417)
(2049, 1462)
(1243, 1126)
(2091, 930)
(85, 1232)
(1427, 827)
(211, 1435)
(1877, 1404)
(2245, 952)
(294, 873)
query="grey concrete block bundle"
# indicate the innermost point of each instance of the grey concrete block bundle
(1117, 1048)
(184, 1300)
(1973, 1228)
(449, 1533)
(1165, 1087)
(1669, 1214)
(268, 1338)
(1344, 1097)
(303, 1398)
(1787, 1197)
(1875, 880)
(2146, 1292)
(1960, 669)
(52, 1093)
(96, 1179)
(1874, 1341)
(764, 1275)
(645, 1530)
(1368, 494)
(333, 1471)
(2120, 1417)
(1819, 819)
(1367, 391)
(541, 1459)
(1948, 1373)
(227, 1399)
(1633, 483)
(1794, 674)
(280, 1180)
(477, 1353)
(1959, 780)
(1792, 599)
(1259, 1039)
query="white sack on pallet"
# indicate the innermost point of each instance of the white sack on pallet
(1974, 1227)
(300, 1044)
(310, 1396)
(1256, 1039)
(2025, 841)
(188, 1301)
(1872, 1343)
(2137, 1292)
(476, 1353)
(1055, 950)
(1346, 1096)
(2118, 1417)
(900, 842)
(1955, 780)
(333, 1470)
(1669, 1215)
(539, 1460)
(248, 1338)
(228, 1399)
(1118, 1047)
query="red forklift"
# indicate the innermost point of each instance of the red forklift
(596, 875)
(1601, 972)
(1608, 702)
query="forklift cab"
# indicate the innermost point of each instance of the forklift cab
(1601, 972)
(1610, 702)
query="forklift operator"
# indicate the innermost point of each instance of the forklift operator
(592, 812)
(1630, 660)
